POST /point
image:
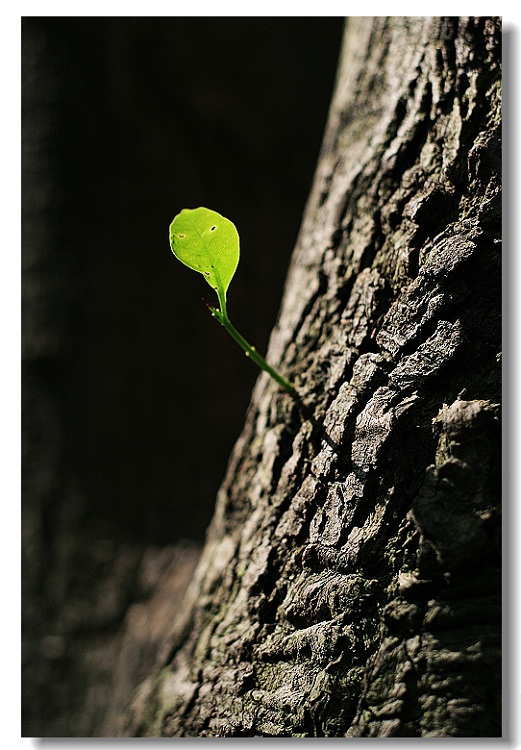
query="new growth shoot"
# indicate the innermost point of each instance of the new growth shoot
(208, 243)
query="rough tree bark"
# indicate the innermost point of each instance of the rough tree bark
(350, 583)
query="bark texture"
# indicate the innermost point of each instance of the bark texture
(350, 582)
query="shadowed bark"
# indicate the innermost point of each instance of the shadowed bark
(350, 582)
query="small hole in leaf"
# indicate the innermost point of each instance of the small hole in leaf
(212, 228)
(181, 236)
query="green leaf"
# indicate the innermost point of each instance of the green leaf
(207, 242)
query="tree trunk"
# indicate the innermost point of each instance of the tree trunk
(350, 583)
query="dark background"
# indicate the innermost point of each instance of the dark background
(126, 121)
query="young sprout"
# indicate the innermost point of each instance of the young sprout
(208, 243)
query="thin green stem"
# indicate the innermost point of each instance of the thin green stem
(222, 302)
(249, 350)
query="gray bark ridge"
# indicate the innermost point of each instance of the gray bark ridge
(350, 582)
